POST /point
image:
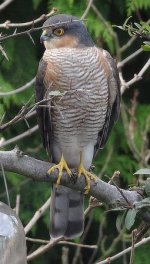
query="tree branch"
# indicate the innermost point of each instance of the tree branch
(41, 250)
(18, 90)
(7, 24)
(23, 114)
(41, 241)
(35, 169)
(37, 215)
(5, 4)
(130, 57)
(136, 78)
(87, 9)
(27, 133)
(33, 29)
(127, 250)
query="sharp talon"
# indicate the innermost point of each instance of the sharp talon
(93, 178)
(86, 192)
(87, 189)
(62, 165)
(88, 177)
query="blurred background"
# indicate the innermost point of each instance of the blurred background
(128, 148)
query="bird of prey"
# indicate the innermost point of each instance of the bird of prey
(78, 96)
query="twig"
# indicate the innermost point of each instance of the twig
(17, 204)
(130, 141)
(24, 182)
(107, 160)
(110, 30)
(130, 57)
(5, 4)
(77, 253)
(24, 113)
(121, 192)
(127, 250)
(93, 203)
(18, 90)
(37, 215)
(64, 256)
(115, 175)
(136, 77)
(33, 29)
(5, 183)
(7, 24)
(132, 247)
(145, 67)
(87, 9)
(61, 242)
(128, 44)
(41, 250)
(77, 244)
(131, 40)
(99, 239)
(145, 151)
(4, 52)
(103, 20)
(18, 117)
(124, 257)
(29, 132)
(116, 240)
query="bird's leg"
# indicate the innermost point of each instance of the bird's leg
(62, 165)
(88, 175)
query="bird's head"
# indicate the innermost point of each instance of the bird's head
(65, 31)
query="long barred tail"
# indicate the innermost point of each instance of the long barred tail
(66, 213)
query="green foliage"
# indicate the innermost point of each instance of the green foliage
(33, 196)
(130, 218)
(141, 30)
(96, 27)
(134, 5)
(14, 180)
(36, 3)
(22, 67)
(21, 53)
(68, 7)
(98, 214)
(142, 255)
(99, 30)
(146, 46)
(141, 206)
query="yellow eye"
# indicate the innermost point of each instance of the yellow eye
(59, 31)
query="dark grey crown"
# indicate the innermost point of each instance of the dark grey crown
(72, 25)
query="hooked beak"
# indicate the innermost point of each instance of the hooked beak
(43, 38)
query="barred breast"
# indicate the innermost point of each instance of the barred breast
(78, 113)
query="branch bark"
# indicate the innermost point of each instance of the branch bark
(7, 24)
(16, 161)
(5, 4)
(33, 29)
(127, 250)
(27, 133)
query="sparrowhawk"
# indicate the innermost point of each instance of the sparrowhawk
(78, 102)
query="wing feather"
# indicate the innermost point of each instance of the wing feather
(43, 113)
(113, 101)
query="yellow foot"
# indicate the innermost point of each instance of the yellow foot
(62, 165)
(88, 176)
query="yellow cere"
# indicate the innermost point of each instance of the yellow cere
(44, 32)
